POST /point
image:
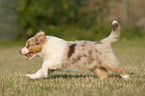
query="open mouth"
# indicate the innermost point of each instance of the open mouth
(29, 55)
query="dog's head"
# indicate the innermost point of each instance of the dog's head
(33, 45)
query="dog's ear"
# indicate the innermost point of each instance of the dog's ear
(39, 37)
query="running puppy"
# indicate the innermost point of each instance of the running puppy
(58, 54)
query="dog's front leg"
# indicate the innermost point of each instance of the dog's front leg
(48, 68)
(37, 75)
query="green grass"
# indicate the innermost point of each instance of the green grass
(14, 67)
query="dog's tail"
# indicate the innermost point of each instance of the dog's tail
(113, 37)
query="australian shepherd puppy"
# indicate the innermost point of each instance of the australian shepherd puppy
(58, 54)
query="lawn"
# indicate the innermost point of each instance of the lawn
(14, 67)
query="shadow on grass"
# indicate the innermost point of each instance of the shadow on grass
(65, 76)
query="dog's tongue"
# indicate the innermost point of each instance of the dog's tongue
(29, 56)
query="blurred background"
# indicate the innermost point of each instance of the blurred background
(71, 19)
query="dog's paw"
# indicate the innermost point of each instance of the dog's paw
(125, 77)
(31, 77)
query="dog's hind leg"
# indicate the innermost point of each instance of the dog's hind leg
(109, 61)
(117, 69)
(100, 72)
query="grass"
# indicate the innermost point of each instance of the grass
(14, 67)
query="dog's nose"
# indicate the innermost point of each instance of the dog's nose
(20, 51)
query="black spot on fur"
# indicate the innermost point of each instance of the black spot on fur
(71, 50)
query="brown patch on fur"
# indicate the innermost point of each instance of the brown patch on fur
(71, 50)
(34, 44)
(35, 48)
(75, 60)
(96, 50)
(78, 58)
(118, 69)
(84, 55)
(100, 72)
(39, 37)
(30, 42)
(32, 47)
(82, 45)
(90, 57)
(115, 27)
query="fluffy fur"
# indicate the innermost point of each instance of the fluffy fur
(58, 54)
